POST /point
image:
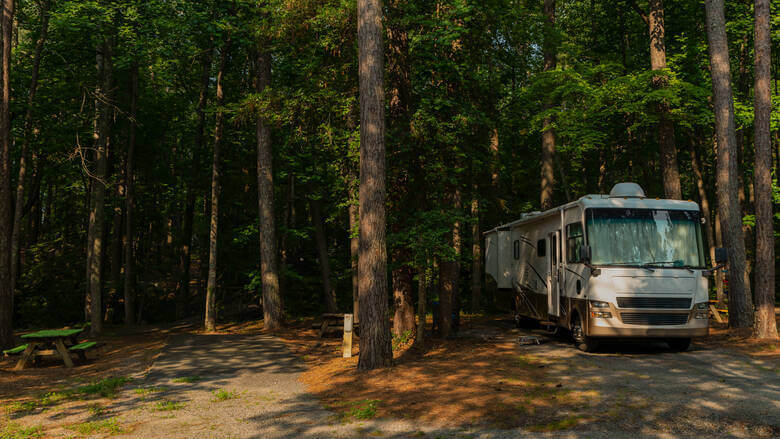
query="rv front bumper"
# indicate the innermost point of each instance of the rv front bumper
(621, 326)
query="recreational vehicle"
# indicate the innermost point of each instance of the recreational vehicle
(607, 266)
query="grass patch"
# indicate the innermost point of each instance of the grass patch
(107, 388)
(143, 391)
(561, 424)
(20, 407)
(167, 406)
(109, 426)
(224, 395)
(189, 379)
(359, 410)
(16, 431)
(97, 410)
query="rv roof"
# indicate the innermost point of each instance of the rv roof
(595, 201)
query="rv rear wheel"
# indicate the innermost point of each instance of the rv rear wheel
(679, 344)
(583, 342)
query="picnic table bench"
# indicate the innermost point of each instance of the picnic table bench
(332, 324)
(61, 342)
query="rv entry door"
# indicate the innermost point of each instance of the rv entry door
(553, 273)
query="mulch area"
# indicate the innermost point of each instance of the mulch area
(741, 340)
(459, 382)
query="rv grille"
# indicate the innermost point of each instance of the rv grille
(654, 302)
(638, 318)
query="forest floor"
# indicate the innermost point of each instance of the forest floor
(177, 382)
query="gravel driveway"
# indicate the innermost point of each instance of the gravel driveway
(639, 391)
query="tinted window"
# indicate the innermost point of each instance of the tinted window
(574, 239)
(540, 248)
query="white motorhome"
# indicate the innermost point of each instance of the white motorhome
(607, 266)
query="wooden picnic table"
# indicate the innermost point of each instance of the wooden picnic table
(41, 342)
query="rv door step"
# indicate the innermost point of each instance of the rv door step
(529, 339)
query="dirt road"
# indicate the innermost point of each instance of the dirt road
(247, 386)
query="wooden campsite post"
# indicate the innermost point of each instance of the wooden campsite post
(347, 343)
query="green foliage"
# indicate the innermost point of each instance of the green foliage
(167, 406)
(107, 388)
(15, 431)
(401, 340)
(359, 410)
(188, 379)
(109, 427)
(224, 395)
(459, 75)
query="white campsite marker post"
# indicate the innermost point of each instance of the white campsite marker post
(347, 343)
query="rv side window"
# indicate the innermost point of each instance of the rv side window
(516, 249)
(540, 248)
(574, 239)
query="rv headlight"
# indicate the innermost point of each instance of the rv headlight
(702, 305)
(601, 314)
(598, 304)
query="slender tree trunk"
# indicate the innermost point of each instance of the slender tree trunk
(211, 285)
(28, 119)
(289, 222)
(669, 168)
(354, 246)
(449, 277)
(117, 234)
(550, 50)
(476, 255)
(129, 290)
(322, 250)
(740, 304)
(97, 221)
(272, 297)
(6, 287)
(765, 325)
(709, 229)
(185, 263)
(422, 302)
(375, 348)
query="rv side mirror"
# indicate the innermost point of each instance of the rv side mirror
(721, 255)
(584, 253)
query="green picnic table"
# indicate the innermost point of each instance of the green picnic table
(41, 343)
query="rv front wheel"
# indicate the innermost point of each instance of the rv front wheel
(583, 342)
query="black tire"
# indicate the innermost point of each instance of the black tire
(583, 342)
(679, 344)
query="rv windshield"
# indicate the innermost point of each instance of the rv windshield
(645, 237)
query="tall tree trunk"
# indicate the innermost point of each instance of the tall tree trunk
(289, 222)
(765, 326)
(740, 304)
(403, 303)
(129, 290)
(476, 254)
(550, 50)
(669, 168)
(354, 245)
(708, 221)
(211, 285)
(322, 250)
(28, 119)
(272, 297)
(96, 227)
(6, 287)
(422, 302)
(375, 348)
(185, 262)
(449, 277)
